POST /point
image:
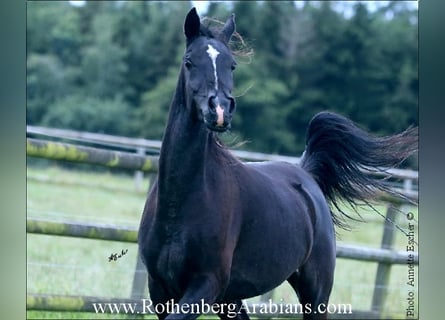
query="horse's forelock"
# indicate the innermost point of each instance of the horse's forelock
(212, 28)
(207, 32)
(210, 32)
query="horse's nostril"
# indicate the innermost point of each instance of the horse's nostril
(213, 102)
(232, 105)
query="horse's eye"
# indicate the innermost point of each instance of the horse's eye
(187, 63)
(233, 67)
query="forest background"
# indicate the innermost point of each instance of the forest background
(112, 67)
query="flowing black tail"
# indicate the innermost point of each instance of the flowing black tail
(338, 154)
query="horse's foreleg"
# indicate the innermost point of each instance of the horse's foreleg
(202, 291)
(158, 297)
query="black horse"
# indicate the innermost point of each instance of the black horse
(216, 230)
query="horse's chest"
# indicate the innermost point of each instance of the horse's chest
(170, 262)
(167, 262)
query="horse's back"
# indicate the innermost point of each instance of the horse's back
(290, 179)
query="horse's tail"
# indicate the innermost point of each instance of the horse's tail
(338, 154)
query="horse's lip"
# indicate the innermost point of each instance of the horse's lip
(216, 128)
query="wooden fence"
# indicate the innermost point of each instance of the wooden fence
(126, 153)
(152, 147)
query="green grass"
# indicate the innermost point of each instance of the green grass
(73, 266)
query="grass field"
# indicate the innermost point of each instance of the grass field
(73, 266)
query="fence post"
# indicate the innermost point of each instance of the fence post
(384, 269)
(139, 280)
(139, 175)
(408, 184)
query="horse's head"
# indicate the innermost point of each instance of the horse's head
(208, 65)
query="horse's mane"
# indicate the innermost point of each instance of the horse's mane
(211, 28)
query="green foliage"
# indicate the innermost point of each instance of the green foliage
(53, 27)
(103, 67)
(46, 81)
(123, 58)
(151, 117)
(78, 112)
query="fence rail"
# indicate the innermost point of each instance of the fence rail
(116, 233)
(74, 153)
(81, 230)
(126, 160)
(154, 146)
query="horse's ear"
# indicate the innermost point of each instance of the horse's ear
(192, 24)
(228, 29)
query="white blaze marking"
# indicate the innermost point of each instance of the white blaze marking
(213, 53)
(220, 114)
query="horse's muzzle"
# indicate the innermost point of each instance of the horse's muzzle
(219, 115)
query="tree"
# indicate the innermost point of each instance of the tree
(396, 26)
(53, 28)
(46, 81)
(150, 119)
(93, 114)
(53, 52)
(152, 39)
(126, 55)
(321, 64)
(103, 67)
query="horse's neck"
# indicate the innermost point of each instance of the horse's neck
(184, 152)
(186, 149)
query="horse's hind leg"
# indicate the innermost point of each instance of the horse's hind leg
(313, 284)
